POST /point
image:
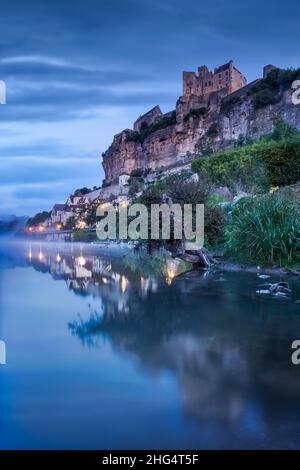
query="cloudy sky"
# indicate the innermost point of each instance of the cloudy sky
(79, 71)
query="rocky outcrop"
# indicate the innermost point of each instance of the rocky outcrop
(199, 124)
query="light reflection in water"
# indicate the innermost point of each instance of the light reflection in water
(124, 283)
(226, 349)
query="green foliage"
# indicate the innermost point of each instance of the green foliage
(264, 98)
(162, 123)
(70, 224)
(39, 218)
(82, 191)
(282, 161)
(184, 191)
(214, 223)
(274, 161)
(135, 186)
(268, 90)
(281, 130)
(265, 230)
(196, 113)
(91, 217)
(229, 103)
(238, 169)
(213, 131)
(152, 195)
(138, 172)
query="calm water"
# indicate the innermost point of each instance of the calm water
(104, 352)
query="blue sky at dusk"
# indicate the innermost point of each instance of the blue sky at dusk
(78, 72)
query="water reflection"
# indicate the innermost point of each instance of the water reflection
(228, 349)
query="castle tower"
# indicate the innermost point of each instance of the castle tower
(226, 78)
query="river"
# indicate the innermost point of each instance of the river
(107, 349)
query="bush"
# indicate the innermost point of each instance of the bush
(184, 191)
(196, 113)
(214, 223)
(135, 186)
(281, 130)
(282, 161)
(229, 103)
(138, 172)
(238, 169)
(39, 218)
(213, 131)
(162, 123)
(264, 98)
(265, 230)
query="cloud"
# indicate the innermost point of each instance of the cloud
(77, 72)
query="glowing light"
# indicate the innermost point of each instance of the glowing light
(124, 204)
(123, 283)
(81, 261)
(41, 228)
(82, 224)
(104, 280)
(142, 281)
(58, 226)
(171, 273)
(30, 254)
(41, 256)
(30, 229)
(58, 258)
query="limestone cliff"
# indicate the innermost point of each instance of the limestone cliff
(204, 122)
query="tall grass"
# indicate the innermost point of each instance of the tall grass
(265, 230)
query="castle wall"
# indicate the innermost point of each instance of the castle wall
(147, 119)
(169, 146)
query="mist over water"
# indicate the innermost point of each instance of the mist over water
(109, 349)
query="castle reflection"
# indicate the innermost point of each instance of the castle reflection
(228, 350)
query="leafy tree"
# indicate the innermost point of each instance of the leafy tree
(39, 218)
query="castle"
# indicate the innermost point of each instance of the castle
(202, 90)
(215, 110)
(226, 78)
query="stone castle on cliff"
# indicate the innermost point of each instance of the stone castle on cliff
(215, 110)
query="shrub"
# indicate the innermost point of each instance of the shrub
(213, 131)
(39, 218)
(229, 103)
(265, 230)
(196, 113)
(268, 90)
(282, 161)
(135, 185)
(184, 191)
(138, 172)
(238, 169)
(214, 223)
(162, 123)
(281, 130)
(265, 97)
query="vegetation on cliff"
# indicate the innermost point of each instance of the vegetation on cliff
(165, 121)
(262, 224)
(255, 168)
